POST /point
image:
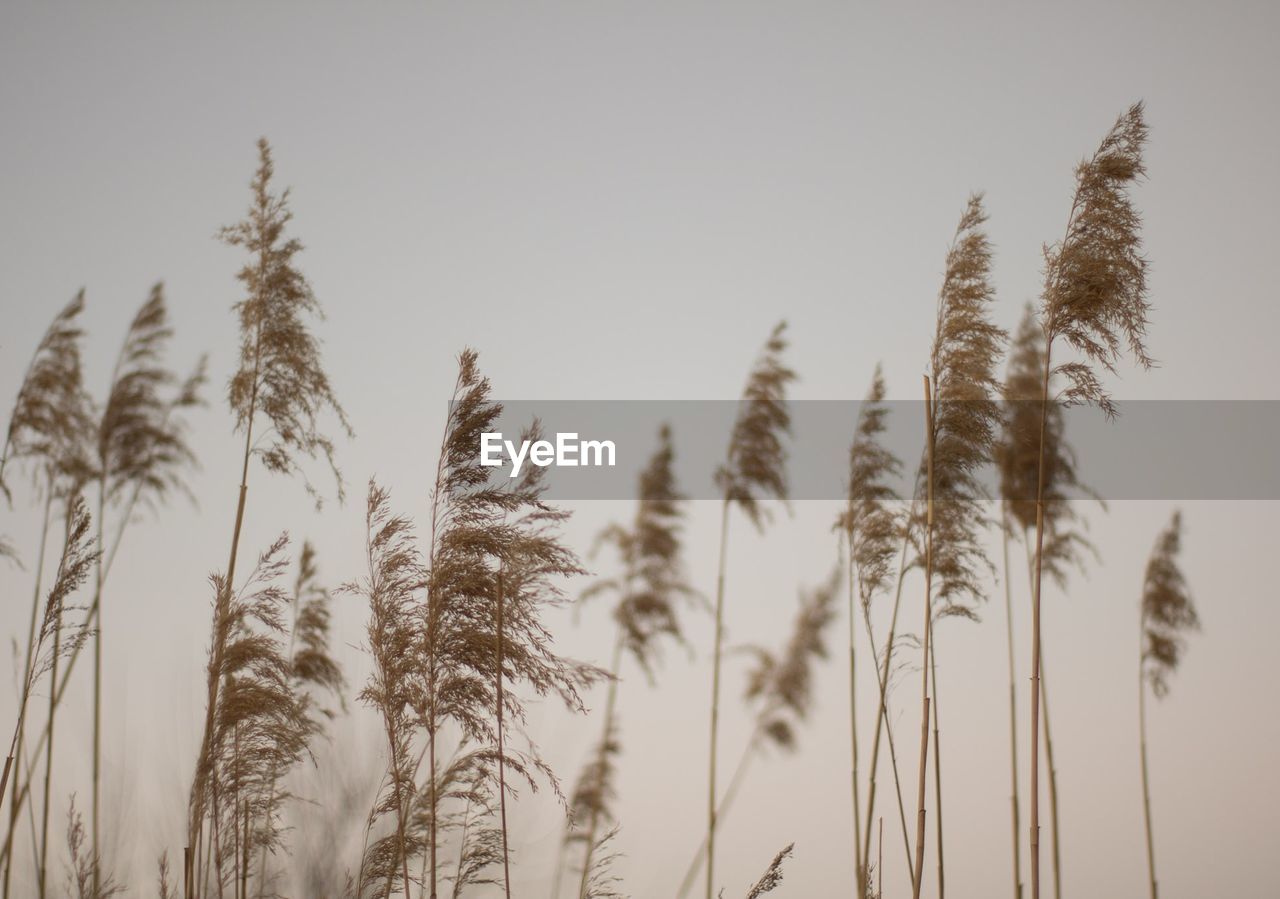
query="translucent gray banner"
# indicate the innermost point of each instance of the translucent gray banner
(1152, 450)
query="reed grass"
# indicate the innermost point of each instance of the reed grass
(1095, 302)
(280, 379)
(871, 530)
(648, 593)
(962, 419)
(1168, 613)
(779, 693)
(755, 468)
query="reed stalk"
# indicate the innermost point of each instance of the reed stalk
(1167, 614)
(918, 869)
(755, 467)
(1095, 300)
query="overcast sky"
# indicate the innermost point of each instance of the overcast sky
(617, 201)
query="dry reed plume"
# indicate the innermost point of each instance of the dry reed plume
(646, 613)
(281, 380)
(871, 529)
(1065, 544)
(1095, 301)
(779, 693)
(755, 468)
(1167, 614)
(963, 418)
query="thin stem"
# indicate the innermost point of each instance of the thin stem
(715, 700)
(1013, 707)
(937, 767)
(928, 628)
(15, 806)
(97, 677)
(860, 861)
(1146, 785)
(726, 803)
(48, 759)
(882, 714)
(1035, 633)
(610, 706)
(502, 781)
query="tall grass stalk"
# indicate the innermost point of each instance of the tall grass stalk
(780, 691)
(1167, 614)
(870, 528)
(961, 418)
(646, 614)
(918, 869)
(141, 451)
(1095, 299)
(49, 426)
(1005, 525)
(755, 468)
(280, 377)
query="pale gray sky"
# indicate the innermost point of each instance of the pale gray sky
(618, 201)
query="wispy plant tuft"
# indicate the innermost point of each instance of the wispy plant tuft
(755, 468)
(1095, 301)
(279, 378)
(51, 413)
(1168, 614)
(648, 591)
(77, 560)
(85, 880)
(963, 418)
(772, 876)
(396, 577)
(872, 529)
(262, 728)
(779, 692)
(280, 375)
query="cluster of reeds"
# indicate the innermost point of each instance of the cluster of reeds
(458, 607)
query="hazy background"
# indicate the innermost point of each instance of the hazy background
(618, 201)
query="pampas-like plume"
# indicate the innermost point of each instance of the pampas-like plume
(142, 455)
(50, 426)
(313, 670)
(56, 635)
(280, 378)
(779, 692)
(755, 468)
(772, 875)
(51, 413)
(84, 879)
(601, 882)
(1065, 543)
(280, 374)
(1095, 301)
(495, 563)
(396, 577)
(962, 418)
(648, 591)
(871, 530)
(1168, 613)
(262, 727)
